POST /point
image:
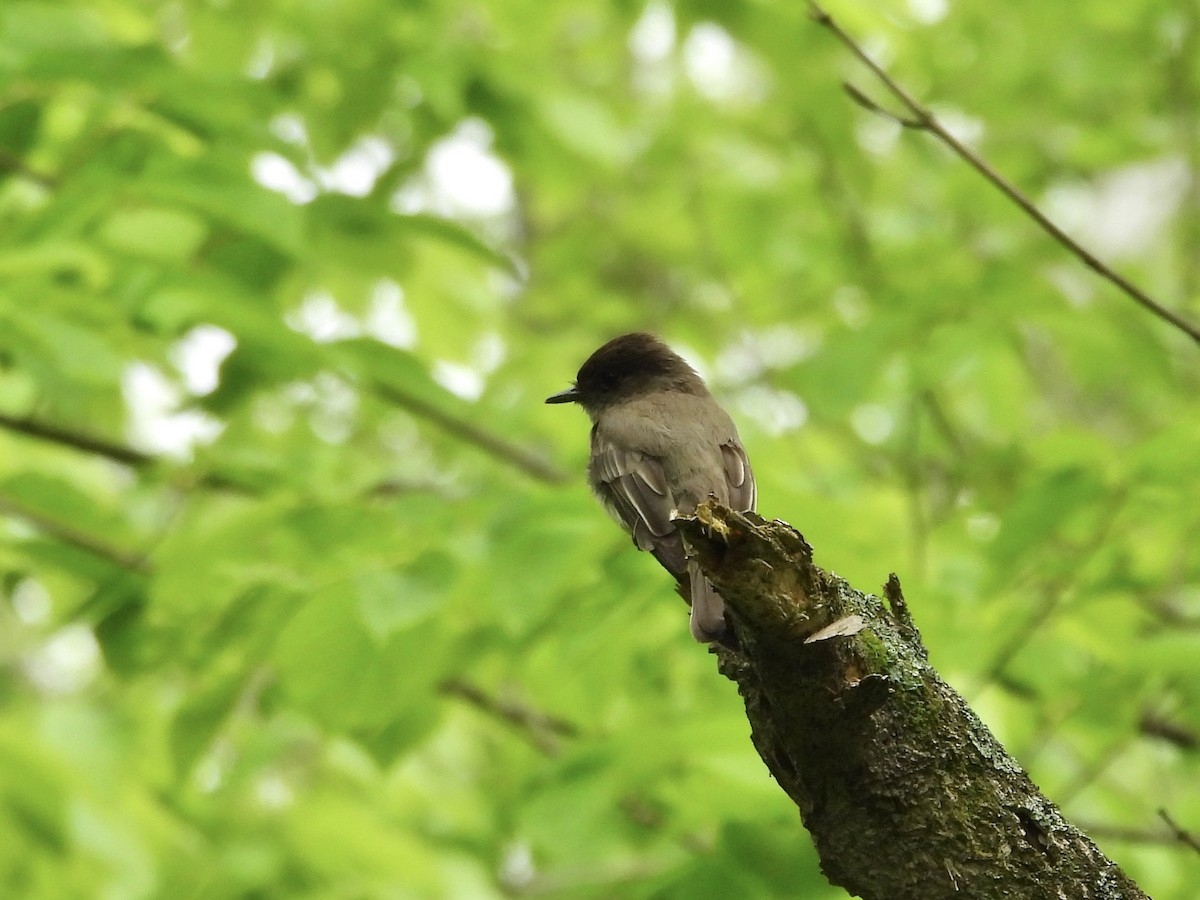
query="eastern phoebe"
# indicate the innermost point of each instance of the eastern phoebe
(660, 445)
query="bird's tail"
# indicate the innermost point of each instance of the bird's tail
(708, 609)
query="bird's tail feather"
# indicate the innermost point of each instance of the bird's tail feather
(708, 609)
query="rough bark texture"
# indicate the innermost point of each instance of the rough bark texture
(906, 793)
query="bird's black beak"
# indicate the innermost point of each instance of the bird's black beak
(570, 395)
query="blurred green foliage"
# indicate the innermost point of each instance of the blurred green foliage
(341, 628)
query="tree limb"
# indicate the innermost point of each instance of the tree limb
(906, 793)
(921, 118)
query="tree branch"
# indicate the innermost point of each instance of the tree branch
(541, 729)
(906, 793)
(920, 117)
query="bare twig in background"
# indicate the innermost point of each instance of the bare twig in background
(1182, 736)
(1155, 837)
(73, 536)
(1181, 835)
(1094, 770)
(399, 487)
(85, 442)
(542, 730)
(921, 118)
(528, 461)
(523, 458)
(871, 106)
(118, 453)
(136, 459)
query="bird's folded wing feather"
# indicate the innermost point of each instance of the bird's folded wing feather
(743, 493)
(635, 487)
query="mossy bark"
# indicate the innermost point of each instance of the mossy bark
(907, 795)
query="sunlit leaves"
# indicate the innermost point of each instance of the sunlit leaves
(407, 224)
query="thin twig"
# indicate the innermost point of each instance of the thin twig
(528, 461)
(942, 424)
(118, 453)
(85, 442)
(871, 106)
(1182, 736)
(522, 458)
(1050, 601)
(73, 536)
(395, 487)
(925, 120)
(1094, 770)
(544, 731)
(1183, 836)
(1151, 836)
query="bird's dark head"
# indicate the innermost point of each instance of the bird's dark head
(626, 367)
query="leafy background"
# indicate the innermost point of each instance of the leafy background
(303, 594)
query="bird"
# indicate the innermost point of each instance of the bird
(660, 444)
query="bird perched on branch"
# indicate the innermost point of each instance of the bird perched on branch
(660, 445)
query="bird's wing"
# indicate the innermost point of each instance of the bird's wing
(743, 493)
(633, 487)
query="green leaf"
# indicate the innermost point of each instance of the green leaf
(395, 600)
(33, 795)
(1044, 510)
(60, 349)
(163, 234)
(198, 720)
